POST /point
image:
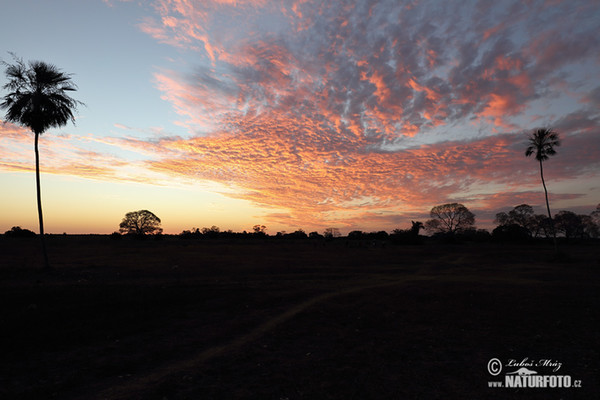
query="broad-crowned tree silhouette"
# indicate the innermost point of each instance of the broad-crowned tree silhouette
(37, 99)
(573, 225)
(542, 142)
(450, 218)
(522, 215)
(140, 223)
(541, 226)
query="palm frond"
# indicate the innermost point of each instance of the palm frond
(38, 96)
(542, 142)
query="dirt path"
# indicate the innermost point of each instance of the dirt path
(129, 388)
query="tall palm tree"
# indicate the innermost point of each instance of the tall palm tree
(37, 99)
(542, 142)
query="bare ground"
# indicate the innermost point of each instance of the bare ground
(281, 320)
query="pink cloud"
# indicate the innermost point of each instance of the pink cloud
(291, 168)
(65, 154)
(296, 104)
(296, 121)
(375, 55)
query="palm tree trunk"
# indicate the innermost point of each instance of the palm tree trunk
(548, 208)
(39, 202)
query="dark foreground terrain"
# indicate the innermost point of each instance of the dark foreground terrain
(176, 319)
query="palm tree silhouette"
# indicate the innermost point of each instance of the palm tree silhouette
(542, 142)
(37, 99)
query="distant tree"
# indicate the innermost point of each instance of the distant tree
(450, 218)
(315, 235)
(18, 232)
(259, 230)
(355, 235)
(475, 235)
(596, 216)
(567, 222)
(573, 225)
(229, 233)
(542, 142)
(590, 229)
(115, 236)
(298, 234)
(189, 234)
(521, 215)
(140, 223)
(501, 218)
(511, 233)
(332, 233)
(593, 223)
(37, 99)
(186, 234)
(379, 235)
(541, 226)
(213, 231)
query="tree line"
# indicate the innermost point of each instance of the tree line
(522, 222)
(450, 220)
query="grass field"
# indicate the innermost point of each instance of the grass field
(176, 319)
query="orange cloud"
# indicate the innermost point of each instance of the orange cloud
(291, 167)
(499, 106)
(327, 112)
(305, 122)
(65, 154)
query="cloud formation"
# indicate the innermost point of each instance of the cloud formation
(323, 108)
(65, 154)
(329, 112)
(376, 67)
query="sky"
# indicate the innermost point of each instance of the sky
(301, 114)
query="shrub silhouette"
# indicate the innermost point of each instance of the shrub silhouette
(18, 232)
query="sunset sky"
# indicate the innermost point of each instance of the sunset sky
(304, 114)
